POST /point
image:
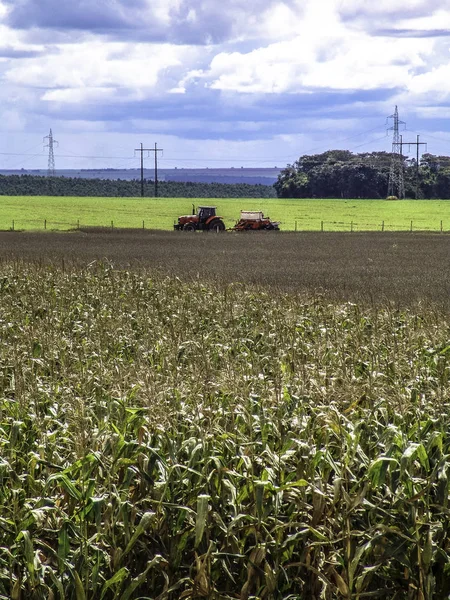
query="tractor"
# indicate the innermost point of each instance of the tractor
(205, 219)
(254, 220)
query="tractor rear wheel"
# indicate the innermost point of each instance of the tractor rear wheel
(189, 227)
(216, 225)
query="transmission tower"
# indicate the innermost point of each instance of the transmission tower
(396, 186)
(51, 157)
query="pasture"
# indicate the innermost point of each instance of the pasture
(62, 213)
(224, 416)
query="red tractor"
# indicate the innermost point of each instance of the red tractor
(254, 220)
(205, 219)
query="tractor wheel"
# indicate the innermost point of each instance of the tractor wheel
(190, 227)
(216, 225)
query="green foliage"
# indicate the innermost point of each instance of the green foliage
(342, 174)
(33, 185)
(170, 440)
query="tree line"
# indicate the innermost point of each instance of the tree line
(342, 174)
(332, 174)
(37, 185)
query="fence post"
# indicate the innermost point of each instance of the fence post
(112, 225)
(351, 226)
(382, 226)
(321, 226)
(78, 223)
(441, 227)
(45, 223)
(410, 229)
(143, 225)
(13, 225)
(295, 225)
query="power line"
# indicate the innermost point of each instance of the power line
(18, 154)
(428, 135)
(369, 142)
(338, 141)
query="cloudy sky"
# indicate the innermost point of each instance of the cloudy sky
(231, 83)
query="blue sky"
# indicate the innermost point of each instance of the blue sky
(232, 83)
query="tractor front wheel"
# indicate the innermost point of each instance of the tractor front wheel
(189, 227)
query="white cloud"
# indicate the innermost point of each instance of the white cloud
(11, 38)
(439, 20)
(280, 21)
(435, 82)
(433, 112)
(343, 60)
(77, 95)
(94, 69)
(13, 120)
(162, 10)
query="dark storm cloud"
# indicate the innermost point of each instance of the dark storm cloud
(8, 52)
(192, 22)
(207, 116)
(382, 22)
(412, 33)
(101, 15)
(395, 12)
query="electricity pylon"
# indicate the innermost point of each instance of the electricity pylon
(396, 186)
(51, 157)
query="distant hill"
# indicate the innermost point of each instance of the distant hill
(252, 176)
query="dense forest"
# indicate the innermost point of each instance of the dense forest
(33, 185)
(332, 174)
(342, 174)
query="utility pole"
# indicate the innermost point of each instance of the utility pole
(141, 150)
(51, 157)
(156, 169)
(416, 144)
(396, 186)
(155, 150)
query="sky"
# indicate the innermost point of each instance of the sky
(253, 83)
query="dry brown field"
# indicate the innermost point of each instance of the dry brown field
(376, 267)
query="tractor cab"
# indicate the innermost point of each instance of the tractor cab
(205, 212)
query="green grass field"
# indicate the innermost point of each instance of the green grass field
(62, 213)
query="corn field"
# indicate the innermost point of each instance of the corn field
(163, 439)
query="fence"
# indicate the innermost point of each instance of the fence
(354, 226)
(47, 225)
(298, 225)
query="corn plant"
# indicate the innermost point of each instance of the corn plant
(171, 440)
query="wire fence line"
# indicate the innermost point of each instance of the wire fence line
(299, 225)
(351, 226)
(47, 225)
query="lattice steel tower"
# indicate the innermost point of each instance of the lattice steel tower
(396, 185)
(51, 157)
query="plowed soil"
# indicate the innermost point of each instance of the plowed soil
(403, 268)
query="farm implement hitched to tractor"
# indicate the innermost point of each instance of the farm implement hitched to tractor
(206, 219)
